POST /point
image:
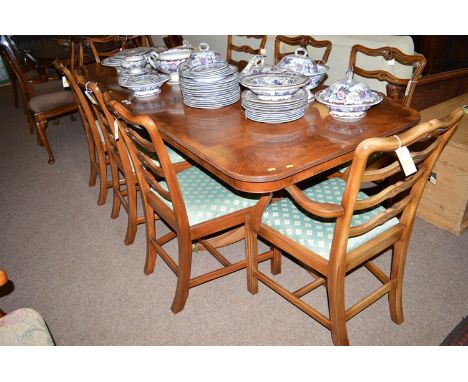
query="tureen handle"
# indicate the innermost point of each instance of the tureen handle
(204, 46)
(301, 50)
(349, 75)
(152, 58)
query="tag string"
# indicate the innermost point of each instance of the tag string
(399, 141)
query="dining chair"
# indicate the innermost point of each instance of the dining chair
(124, 180)
(404, 86)
(107, 46)
(173, 41)
(303, 42)
(241, 64)
(332, 227)
(97, 148)
(42, 102)
(31, 74)
(193, 204)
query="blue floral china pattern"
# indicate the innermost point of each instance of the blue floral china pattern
(169, 60)
(145, 85)
(204, 56)
(274, 86)
(348, 100)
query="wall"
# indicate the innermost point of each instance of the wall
(338, 61)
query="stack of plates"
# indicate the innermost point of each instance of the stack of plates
(209, 86)
(274, 111)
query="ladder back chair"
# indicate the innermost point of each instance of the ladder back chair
(97, 148)
(241, 64)
(332, 227)
(42, 102)
(303, 42)
(107, 46)
(399, 89)
(192, 203)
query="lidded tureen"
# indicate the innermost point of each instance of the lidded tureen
(348, 100)
(204, 56)
(301, 63)
(168, 61)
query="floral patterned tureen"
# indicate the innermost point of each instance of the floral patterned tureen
(168, 61)
(348, 100)
(204, 56)
(299, 62)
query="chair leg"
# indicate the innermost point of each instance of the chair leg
(115, 190)
(336, 302)
(151, 253)
(395, 296)
(132, 213)
(183, 276)
(41, 129)
(251, 250)
(102, 180)
(15, 92)
(276, 261)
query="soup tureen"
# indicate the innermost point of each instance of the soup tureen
(299, 62)
(168, 61)
(348, 100)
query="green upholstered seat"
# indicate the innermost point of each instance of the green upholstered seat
(313, 232)
(206, 198)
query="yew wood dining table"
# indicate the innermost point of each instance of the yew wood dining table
(252, 156)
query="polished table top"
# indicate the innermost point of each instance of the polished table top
(253, 156)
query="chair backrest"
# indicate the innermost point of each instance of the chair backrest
(84, 106)
(118, 153)
(157, 179)
(303, 42)
(400, 193)
(15, 68)
(241, 64)
(173, 41)
(107, 46)
(417, 61)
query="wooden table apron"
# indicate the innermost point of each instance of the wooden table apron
(252, 156)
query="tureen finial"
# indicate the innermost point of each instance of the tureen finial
(349, 75)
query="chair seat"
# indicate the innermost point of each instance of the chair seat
(24, 327)
(50, 101)
(317, 234)
(32, 75)
(206, 198)
(47, 87)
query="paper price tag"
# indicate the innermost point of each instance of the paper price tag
(116, 130)
(391, 62)
(90, 97)
(406, 160)
(65, 83)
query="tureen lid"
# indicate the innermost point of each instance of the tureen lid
(299, 62)
(349, 92)
(204, 56)
(176, 53)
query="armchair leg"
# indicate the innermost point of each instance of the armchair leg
(336, 301)
(276, 261)
(132, 213)
(251, 249)
(41, 129)
(183, 277)
(395, 296)
(150, 235)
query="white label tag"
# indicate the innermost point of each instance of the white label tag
(116, 130)
(410, 82)
(91, 98)
(65, 83)
(391, 62)
(406, 161)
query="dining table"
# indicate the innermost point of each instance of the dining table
(253, 156)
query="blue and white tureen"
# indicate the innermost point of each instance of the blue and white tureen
(204, 56)
(169, 60)
(145, 85)
(301, 63)
(274, 86)
(348, 100)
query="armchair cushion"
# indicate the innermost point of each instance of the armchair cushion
(205, 198)
(50, 101)
(317, 234)
(24, 327)
(47, 87)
